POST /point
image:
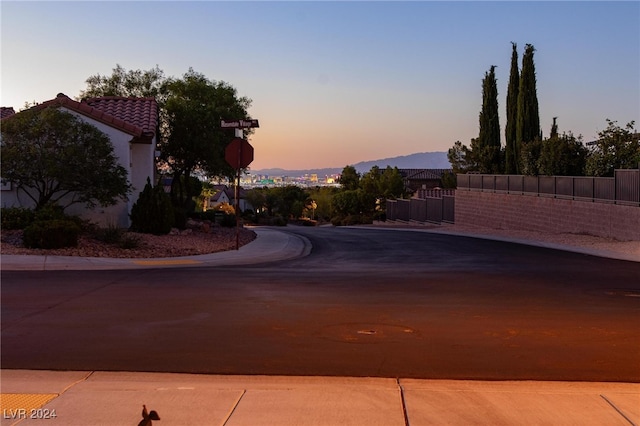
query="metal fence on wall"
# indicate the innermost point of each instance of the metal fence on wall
(439, 206)
(623, 188)
(436, 209)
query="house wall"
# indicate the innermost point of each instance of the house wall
(547, 214)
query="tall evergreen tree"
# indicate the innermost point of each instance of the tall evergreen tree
(528, 118)
(487, 150)
(511, 149)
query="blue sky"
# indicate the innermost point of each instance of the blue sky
(335, 83)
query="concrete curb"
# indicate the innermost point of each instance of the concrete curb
(270, 245)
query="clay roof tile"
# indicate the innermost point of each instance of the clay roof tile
(6, 112)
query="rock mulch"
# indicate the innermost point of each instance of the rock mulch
(190, 242)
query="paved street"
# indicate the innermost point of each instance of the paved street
(364, 302)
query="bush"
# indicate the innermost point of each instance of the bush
(49, 211)
(153, 213)
(128, 241)
(180, 217)
(51, 234)
(52, 211)
(350, 220)
(228, 220)
(110, 235)
(16, 217)
(380, 216)
(209, 215)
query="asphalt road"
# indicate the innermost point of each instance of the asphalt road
(365, 302)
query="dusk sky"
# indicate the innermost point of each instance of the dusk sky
(336, 83)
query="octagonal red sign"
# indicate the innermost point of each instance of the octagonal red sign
(239, 153)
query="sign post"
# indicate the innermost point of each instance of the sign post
(239, 154)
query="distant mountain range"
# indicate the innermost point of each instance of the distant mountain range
(420, 160)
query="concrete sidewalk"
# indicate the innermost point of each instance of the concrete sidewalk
(116, 398)
(270, 245)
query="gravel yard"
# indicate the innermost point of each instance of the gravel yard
(186, 243)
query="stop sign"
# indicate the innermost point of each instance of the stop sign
(239, 153)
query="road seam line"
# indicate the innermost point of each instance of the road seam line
(233, 409)
(404, 404)
(618, 410)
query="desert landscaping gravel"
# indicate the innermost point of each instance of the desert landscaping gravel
(186, 243)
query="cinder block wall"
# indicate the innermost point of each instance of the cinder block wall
(544, 214)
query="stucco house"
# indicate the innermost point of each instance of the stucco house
(131, 124)
(225, 194)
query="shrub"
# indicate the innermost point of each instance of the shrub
(128, 241)
(51, 234)
(180, 217)
(49, 211)
(153, 213)
(228, 220)
(380, 216)
(52, 211)
(278, 221)
(110, 235)
(209, 215)
(16, 217)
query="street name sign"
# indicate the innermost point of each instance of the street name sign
(239, 124)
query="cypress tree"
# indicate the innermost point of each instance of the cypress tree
(512, 152)
(528, 118)
(489, 137)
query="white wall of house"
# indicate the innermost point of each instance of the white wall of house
(137, 159)
(221, 199)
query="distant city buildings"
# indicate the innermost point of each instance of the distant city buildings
(305, 181)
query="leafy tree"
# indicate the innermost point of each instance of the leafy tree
(322, 195)
(392, 184)
(528, 118)
(512, 153)
(191, 109)
(54, 157)
(360, 198)
(530, 157)
(487, 149)
(286, 201)
(349, 178)
(194, 139)
(458, 156)
(352, 202)
(449, 180)
(256, 198)
(383, 184)
(372, 181)
(616, 148)
(562, 155)
(132, 83)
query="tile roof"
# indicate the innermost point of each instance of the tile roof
(141, 112)
(135, 116)
(6, 112)
(422, 174)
